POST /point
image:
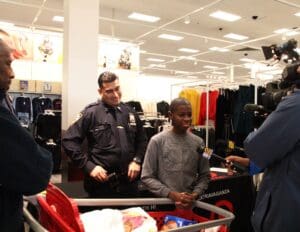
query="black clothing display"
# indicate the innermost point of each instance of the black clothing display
(224, 114)
(163, 108)
(47, 134)
(135, 105)
(23, 110)
(57, 104)
(243, 121)
(39, 105)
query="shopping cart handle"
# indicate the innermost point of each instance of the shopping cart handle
(33, 224)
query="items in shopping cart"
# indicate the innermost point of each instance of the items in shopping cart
(58, 213)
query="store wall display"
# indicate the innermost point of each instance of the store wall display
(23, 85)
(118, 55)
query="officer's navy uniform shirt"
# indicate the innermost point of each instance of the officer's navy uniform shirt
(115, 136)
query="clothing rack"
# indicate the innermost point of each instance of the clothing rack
(199, 84)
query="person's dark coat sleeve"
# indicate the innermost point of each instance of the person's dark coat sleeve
(25, 167)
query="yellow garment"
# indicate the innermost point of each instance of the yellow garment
(193, 96)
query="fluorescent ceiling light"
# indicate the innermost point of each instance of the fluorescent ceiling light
(170, 37)
(223, 50)
(247, 60)
(143, 51)
(225, 16)
(181, 72)
(187, 58)
(236, 36)
(188, 50)
(248, 65)
(192, 77)
(297, 14)
(157, 66)
(57, 18)
(210, 67)
(143, 17)
(155, 60)
(6, 24)
(292, 33)
(219, 49)
(215, 72)
(281, 31)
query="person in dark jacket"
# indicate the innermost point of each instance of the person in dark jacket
(116, 143)
(275, 147)
(25, 168)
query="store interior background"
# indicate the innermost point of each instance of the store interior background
(213, 58)
(204, 52)
(96, 32)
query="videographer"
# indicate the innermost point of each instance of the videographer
(275, 147)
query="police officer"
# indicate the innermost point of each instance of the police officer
(116, 143)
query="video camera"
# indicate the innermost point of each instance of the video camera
(286, 51)
(276, 90)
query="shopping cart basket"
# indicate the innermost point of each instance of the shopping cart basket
(59, 213)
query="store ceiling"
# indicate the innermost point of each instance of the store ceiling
(202, 33)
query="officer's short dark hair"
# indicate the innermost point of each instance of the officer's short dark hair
(178, 102)
(106, 77)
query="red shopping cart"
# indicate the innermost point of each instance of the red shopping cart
(59, 213)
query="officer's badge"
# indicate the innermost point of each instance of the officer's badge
(132, 121)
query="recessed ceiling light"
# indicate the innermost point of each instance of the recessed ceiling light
(210, 66)
(297, 14)
(236, 36)
(57, 18)
(143, 17)
(188, 50)
(225, 16)
(170, 37)
(247, 60)
(187, 20)
(155, 60)
(281, 31)
(219, 49)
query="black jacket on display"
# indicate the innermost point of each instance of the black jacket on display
(25, 169)
(39, 105)
(163, 108)
(115, 137)
(23, 110)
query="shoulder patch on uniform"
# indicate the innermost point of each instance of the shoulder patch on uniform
(78, 116)
(91, 105)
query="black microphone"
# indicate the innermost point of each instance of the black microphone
(254, 107)
(208, 153)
